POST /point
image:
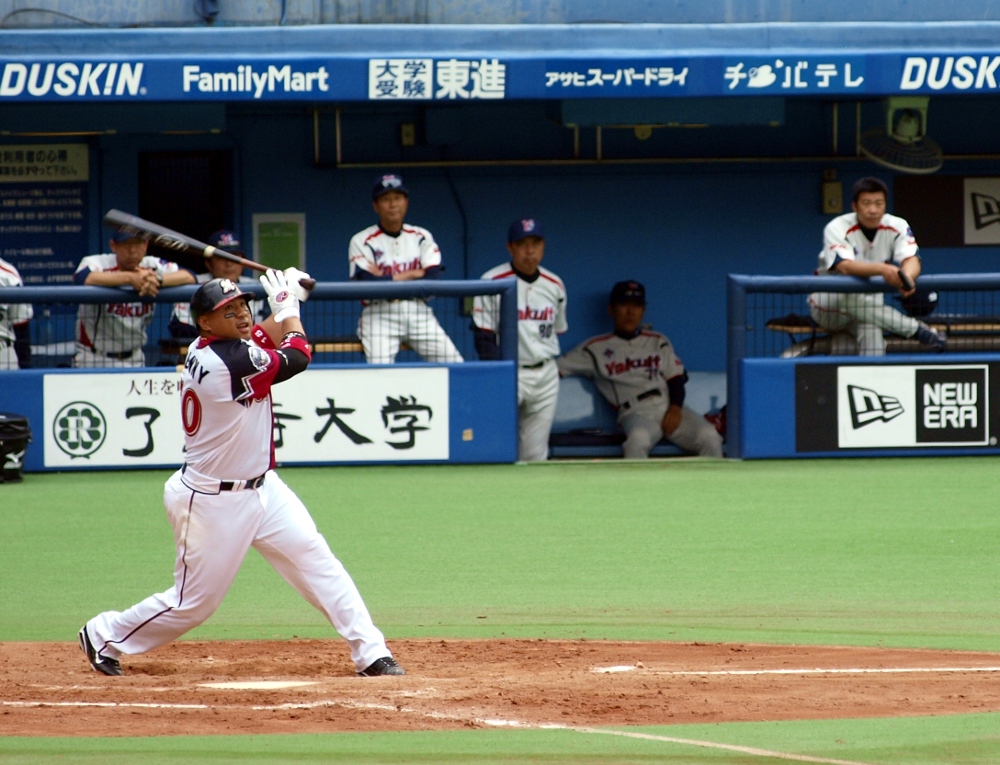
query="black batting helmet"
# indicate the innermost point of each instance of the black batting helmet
(215, 294)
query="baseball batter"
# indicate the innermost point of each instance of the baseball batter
(639, 374)
(869, 242)
(541, 318)
(113, 335)
(392, 250)
(15, 343)
(227, 497)
(181, 324)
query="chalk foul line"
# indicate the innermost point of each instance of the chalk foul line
(804, 671)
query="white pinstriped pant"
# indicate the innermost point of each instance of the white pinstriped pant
(861, 315)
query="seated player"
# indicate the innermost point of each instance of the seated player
(639, 374)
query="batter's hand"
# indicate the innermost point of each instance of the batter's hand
(293, 276)
(284, 305)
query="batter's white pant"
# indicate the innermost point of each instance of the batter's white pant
(387, 323)
(643, 426)
(213, 533)
(537, 394)
(86, 358)
(861, 315)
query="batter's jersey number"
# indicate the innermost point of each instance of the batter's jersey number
(191, 411)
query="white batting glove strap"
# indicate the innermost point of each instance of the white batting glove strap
(292, 276)
(284, 305)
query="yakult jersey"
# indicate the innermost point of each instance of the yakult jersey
(541, 313)
(12, 314)
(115, 327)
(226, 396)
(623, 369)
(382, 255)
(843, 239)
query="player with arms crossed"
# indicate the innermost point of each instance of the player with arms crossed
(541, 317)
(869, 242)
(113, 335)
(394, 251)
(227, 497)
(639, 374)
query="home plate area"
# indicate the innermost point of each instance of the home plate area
(298, 686)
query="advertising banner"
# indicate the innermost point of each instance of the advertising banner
(894, 406)
(345, 415)
(491, 75)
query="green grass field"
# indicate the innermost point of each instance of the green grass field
(890, 552)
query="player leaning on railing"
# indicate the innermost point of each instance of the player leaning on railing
(870, 243)
(227, 497)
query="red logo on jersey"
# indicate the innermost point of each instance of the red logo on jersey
(536, 314)
(388, 269)
(130, 310)
(615, 368)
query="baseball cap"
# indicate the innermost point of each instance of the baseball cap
(215, 294)
(386, 183)
(226, 240)
(628, 292)
(120, 235)
(523, 228)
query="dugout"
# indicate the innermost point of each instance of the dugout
(669, 171)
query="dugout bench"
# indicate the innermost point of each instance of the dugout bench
(966, 334)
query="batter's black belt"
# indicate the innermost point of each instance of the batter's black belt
(539, 365)
(641, 397)
(119, 354)
(251, 483)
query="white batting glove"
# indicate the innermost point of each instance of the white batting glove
(284, 305)
(292, 276)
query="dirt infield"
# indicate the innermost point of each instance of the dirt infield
(47, 689)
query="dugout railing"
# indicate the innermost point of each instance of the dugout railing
(330, 317)
(768, 318)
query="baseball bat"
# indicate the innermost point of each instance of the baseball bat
(173, 240)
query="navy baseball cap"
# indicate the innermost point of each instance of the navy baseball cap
(386, 183)
(523, 228)
(120, 235)
(227, 240)
(628, 292)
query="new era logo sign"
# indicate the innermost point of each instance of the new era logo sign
(868, 406)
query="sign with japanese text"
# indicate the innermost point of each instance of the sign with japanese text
(344, 415)
(493, 75)
(43, 195)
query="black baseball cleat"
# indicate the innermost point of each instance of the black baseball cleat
(102, 664)
(930, 337)
(384, 666)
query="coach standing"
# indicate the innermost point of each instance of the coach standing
(392, 251)
(541, 317)
(113, 335)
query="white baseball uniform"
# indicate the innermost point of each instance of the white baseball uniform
(863, 315)
(11, 315)
(632, 374)
(227, 498)
(385, 324)
(541, 318)
(112, 335)
(182, 311)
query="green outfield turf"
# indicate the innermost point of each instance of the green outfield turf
(892, 552)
